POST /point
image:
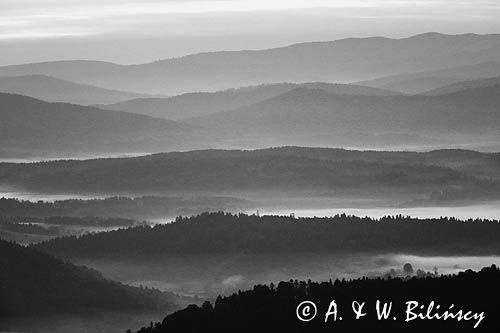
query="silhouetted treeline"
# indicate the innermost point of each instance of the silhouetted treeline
(69, 220)
(28, 228)
(34, 283)
(132, 208)
(228, 233)
(270, 308)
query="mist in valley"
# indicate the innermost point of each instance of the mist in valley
(209, 276)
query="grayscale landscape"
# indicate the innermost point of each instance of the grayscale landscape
(172, 165)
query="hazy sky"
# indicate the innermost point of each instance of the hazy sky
(127, 31)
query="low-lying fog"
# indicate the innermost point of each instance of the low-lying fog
(208, 276)
(16, 193)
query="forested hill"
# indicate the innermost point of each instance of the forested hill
(285, 170)
(273, 308)
(37, 284)
(224, 233)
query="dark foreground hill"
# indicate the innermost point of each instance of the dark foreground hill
(33, 283)
(219, 233)
(470, 295)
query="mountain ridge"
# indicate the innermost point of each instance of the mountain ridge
(29, 124)
(422, 81)
(52, 89)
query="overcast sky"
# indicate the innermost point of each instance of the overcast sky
(126, 31)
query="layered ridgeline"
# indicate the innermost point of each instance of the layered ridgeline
(204, 103)
(437, 175)
(421, 82)
(317, 117)
(36, 284)
(272, 308)
(345, 60)
(28, 125)
(328, 115)
(51, 89)
(223, 233)
(466, 85)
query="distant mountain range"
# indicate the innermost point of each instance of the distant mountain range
(421, 82)
(454, 107)
(51, 89)
(346, 60)
(204, 103)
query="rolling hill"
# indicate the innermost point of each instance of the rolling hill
(315, 117)
(417, 83)
(464, 85)
(203, 103)
(36, 127)
(346, 60)
(56, 90)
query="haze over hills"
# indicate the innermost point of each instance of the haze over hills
(315, 117)
(34, 126)
(421, 82)
(56, 90)
(151, 155)
(299, 116)
(346, 60)
(464, 85)
(205, 103)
